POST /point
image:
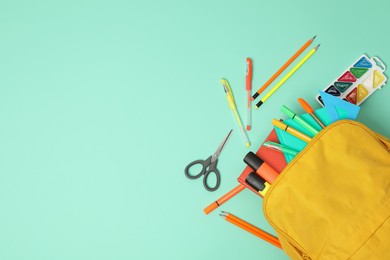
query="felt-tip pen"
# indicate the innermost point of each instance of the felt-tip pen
(280, 147)
(291, 130)
(230, 194)
(291, 114)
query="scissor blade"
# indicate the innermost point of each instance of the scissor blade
(221, 146)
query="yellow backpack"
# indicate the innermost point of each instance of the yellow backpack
(333, 200)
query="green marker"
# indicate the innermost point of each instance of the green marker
(299, 120)
(280, 147)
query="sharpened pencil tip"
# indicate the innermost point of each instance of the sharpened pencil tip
(314, 37)
(317, 46)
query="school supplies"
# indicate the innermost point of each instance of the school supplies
(297, 144)
(291, 114)
(250, 228)
(288, 75)
(230, 194)
(248, 87)
(280, 147)
(358, 82)
(208, 166)
(283, 68)
(232, 105)
(291, 130)
(261, 167)
(310, 111)
(274, 158)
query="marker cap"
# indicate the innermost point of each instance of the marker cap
(305, 106)
(253, 161)
(264, 170)
(287, 111)
(279, 124)
(255, 181)
(211, 207)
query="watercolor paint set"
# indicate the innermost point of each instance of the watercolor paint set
(359, 81)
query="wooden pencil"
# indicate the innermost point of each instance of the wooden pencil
(287, 76)
(251, 229)
(250, 226)
(283, 68)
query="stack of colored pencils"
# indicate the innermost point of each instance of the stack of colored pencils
(250, 228)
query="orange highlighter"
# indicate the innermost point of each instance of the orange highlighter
(262, 168)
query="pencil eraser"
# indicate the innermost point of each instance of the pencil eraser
(248, 127)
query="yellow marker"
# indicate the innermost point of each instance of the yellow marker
(288, 75)
(232, 105)
(263, 192)
(291, 130)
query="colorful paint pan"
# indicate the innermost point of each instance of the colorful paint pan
(359, 81)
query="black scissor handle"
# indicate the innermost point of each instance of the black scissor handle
(218, 180)
(189, 166)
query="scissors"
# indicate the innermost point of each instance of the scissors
(208, 166)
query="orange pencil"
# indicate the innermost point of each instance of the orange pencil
(251, 229)
(250, 226)
(283, 68)
(224, 198)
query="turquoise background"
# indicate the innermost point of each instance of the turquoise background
(103, 104)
